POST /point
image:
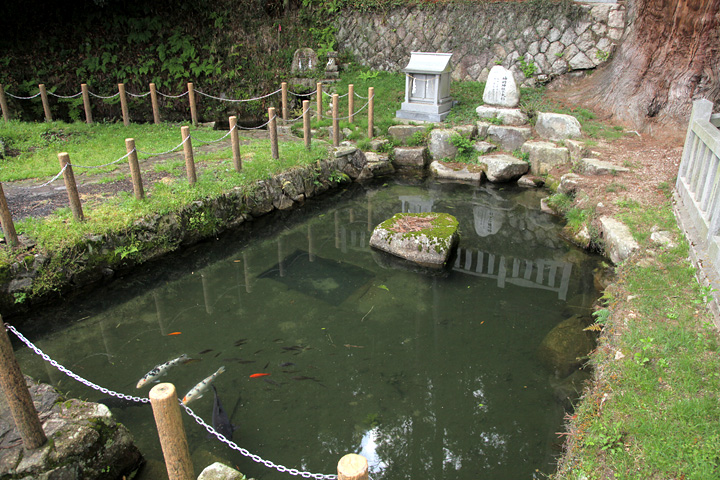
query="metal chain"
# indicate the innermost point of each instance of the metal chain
(138, 95)
(253, 457)
(22, 98)
(259, 126)
(200, 421)
(237, 100)
(63, 96)
(70, 373)
(339, 96)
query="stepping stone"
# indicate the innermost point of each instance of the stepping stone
(503, 168)
(508, 116)
(509, 138)
(466, 173)
(544, 156)
(410, 157)
(557, 126)
(594, 166)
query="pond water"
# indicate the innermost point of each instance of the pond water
(425, 375)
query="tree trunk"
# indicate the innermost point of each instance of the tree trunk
(668, 58)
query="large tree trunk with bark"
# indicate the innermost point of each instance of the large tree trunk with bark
(670, 56)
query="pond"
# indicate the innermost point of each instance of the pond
(425, 375)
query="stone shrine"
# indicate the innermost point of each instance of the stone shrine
(304, 60)
(427, 87)
(501, 89)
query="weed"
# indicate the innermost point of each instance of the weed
(524, 156)
(602, 55)
(527, 67)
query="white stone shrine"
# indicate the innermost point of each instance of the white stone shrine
(427, 87)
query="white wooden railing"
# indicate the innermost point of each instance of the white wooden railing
(698, 190)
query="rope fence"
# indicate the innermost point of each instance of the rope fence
(175, 403)
(66, 166)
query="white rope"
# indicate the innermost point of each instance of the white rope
(360, 96)
(138, 95)
(258, 127)
(104, 98)
(200, 421)
(165, 153)
(22, 98)
(237, 100)
(53, 179)
(339, 96)
(348, 117)
(301, 115)
(63, 96)
(107, 164)
(174, 96)
(215, 141)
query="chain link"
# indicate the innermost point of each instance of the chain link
(237, 100)
(22, 98)
(64, 96)
(104, 98)
(200, 421)
(173, 96)
(138, 95)
(149, 154)
(214, 141)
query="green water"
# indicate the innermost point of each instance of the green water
(427, 376)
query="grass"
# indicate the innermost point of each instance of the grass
(652, 411)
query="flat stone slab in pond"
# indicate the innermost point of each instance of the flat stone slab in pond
(424, 238)
(462, 172)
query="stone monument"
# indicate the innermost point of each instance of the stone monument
(501, 89)
(304, 60)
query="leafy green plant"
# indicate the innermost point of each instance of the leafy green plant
(528, 67)
(464, 145)
(368, 75)
(524, 156)
(602, 55)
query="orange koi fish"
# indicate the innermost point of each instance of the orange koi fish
(256, 375)
(175, 333)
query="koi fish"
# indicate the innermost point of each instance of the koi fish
(174, 333)
(160, 370)
(256, 375)
(198, 390)
(220, 420)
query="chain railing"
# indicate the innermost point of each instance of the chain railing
(188, 410)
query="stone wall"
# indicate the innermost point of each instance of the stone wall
(557, 37)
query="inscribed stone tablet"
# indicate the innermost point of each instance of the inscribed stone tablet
(501, 88)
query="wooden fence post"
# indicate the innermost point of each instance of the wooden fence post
(155, 105)
(352, 467)
(335, 120)
(319, 101)
(124, 104)
(189, 159)
(71, 186)
(193, 107)
(371, 111)
(284, 88)
(45, 103)
(351, 103)
(306, 123)
(168, 419)
(18, 396)
(8, 226)
(272, 128)
(237, 159)
(134, 168)
(86, 103)
(4, 105)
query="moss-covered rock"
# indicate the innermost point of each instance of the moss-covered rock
(424, 238)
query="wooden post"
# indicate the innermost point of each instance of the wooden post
(155, 105)
(351, 103)
(189, 159)
(86, 103)
(4, 105)
(71, 186)
(237, 159)
(124, 104)
(335, 120)
(45, 102)
(283, 87)
(353, 467)
(168, 419)
(134, 168)
(306, 123)
(319, 101)
(272, 128)
(193, 107)
(8, 226)
(18, 396)
(371, 111)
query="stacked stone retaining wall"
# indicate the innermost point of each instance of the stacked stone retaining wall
(554, 37)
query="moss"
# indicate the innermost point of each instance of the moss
(440, 232)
